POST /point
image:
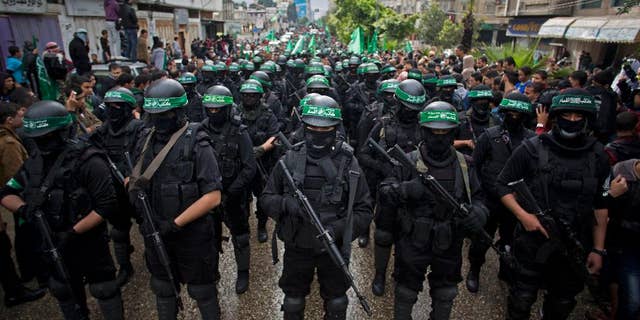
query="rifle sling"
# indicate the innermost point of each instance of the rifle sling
(157, 161)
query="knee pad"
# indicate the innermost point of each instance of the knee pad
(444, 293)
(242, 240)
(60, 290)
(120, 235)
(104, 290)
(162, 288)
(202, 291)
(338, 304)
(406, 295)
(293, 304)
(383, 238)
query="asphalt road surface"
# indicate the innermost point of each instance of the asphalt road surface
(264, 297)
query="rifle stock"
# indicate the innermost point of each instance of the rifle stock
(326, 238)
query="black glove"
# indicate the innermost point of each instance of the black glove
(412, 190)
(66, 239)
(475, 221)
(23, 212)
(166, 227)
(336, 229)
(389, 193)
(290, 205)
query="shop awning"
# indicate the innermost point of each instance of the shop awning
(620, 30)
(555, 27)
(525, 27)
(585, 28)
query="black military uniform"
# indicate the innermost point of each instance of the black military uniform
(477, 119)
(325, 169)
(233, 80)
(446, 87)
(188, 174)
(194, 108)
(385, 105)
(269, 98)
(565, 170)
(431, 234)
(238, 167)
(208, 78)
(68, 182)
(401, 128)
(120, 134)
(359, 96)
(261, 125)
(492, 150)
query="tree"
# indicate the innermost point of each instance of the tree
(267, 3)
(467, 33)
(450, 35)
(628, 5)
(396, 26)
(430, 24)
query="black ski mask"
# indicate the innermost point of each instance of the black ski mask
(250, 100)
(319, 143)
(568, 129)
(51, 143)
(219, 118)
(438, 145)
(406, 115)
(166, 123)
(513, 122)
(480, 107)
(118, 114)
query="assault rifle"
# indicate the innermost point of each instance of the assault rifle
(154, 235)
(460, 209)
(557, 229)
(326, 238)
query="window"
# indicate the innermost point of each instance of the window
(617, 3)
(591, 4)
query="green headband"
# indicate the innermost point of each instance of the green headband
(432, 80)
(388, 85)
(234, 67)
(388, 69)
(120, 95)
(414, 75)
(480, 94)
(319, 79)
(187, 79)
(31, 125)
(371, 68)
(165, 103)
(262, 82)
(216, 99)
(579, 101)
(403, 96)
(314, 69)
(251, 86)
(447, 82)
(439, 115)
(322, 112)
(515, 105)
(209, 68)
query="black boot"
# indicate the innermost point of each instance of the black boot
(473, 279)
(112, 308)
(404, 300)
(363, 240)
(242, 251)
(21, 295)
(336, 309)
(293, 308)
(206, 296)
(381, 260)
(122, 249)
(442, 302)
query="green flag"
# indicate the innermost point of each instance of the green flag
(275, 18)
(289, 46)
(312, 45)
(271, 36)
(48, 88)
(408, 48)
(356, 45)
(327, 33)
(373, 43)
(299, 46)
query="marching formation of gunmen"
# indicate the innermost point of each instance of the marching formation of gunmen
(324, 152)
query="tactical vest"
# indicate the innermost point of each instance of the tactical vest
(394, 132)
(194, 109)
(500, 149)
(325, 182)
(116, 143)
(227, 149)
(66, 201)
(173, 186)
(257, 122)
(566, 183)
(624, 226)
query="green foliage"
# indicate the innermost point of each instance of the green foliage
(450, 35)
(267, 3)
(523, 56)
(369, 15)
(430, 23)
(562, 73)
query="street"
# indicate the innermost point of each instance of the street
(264, 297)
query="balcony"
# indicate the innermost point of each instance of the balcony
(512, 8)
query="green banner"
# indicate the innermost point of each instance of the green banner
(356, 45)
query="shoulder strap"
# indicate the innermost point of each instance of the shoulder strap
(465, 173)
(48, 180)
(543, 161)
(157, 161)
(348, 230)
